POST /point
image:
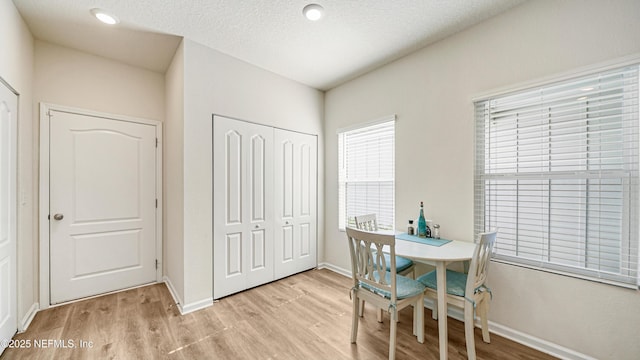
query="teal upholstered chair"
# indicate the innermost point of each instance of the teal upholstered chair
(404, 266)
(384, 289)
(467, 291)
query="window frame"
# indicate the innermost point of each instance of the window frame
(631, 281)
(343, 182)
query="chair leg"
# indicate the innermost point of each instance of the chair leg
(354, 318)
(468, 331)
(483, 312)
(434, 311)
(379, 315)
(392, 334)
(418, 320)
(361, 308)
(415, 320)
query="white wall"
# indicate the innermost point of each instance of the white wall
(16, 68)
(431, 91)
(174, 175)
(68, 77)
(220, 84)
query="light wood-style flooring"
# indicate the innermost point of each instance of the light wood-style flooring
(305, 316)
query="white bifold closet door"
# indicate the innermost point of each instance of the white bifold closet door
(264, 204)
(295, 194)
(242, 206)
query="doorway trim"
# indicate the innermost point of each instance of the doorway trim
(44, 235)
(14, 217)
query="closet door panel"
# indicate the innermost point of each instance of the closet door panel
(295, 194)
(306, 206)
(233, 177)
(258, 256)
(260, 205)
(305, 179)
(286, 179)
(305, 240)
(286, 253)
(229, 228)
(233, 256)
(257, 178)
(242, 216)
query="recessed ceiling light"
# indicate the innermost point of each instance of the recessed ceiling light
(313, 12)
(104, 16)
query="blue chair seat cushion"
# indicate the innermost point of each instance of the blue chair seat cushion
(405, 286)
(402, 263)
(456, 282)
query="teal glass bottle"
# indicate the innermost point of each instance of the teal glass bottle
(422, 223)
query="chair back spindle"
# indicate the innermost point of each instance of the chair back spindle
(479, 266)
(367, 222)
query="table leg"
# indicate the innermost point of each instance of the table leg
(441, 278)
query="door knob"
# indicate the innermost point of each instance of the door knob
(58, 217)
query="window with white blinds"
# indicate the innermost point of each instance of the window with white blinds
(557, 175)
(366, 173)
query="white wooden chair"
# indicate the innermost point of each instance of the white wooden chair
(384, 289)
(467, 291)
(404, 266)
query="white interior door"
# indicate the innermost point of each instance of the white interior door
(102, 205)
(8, 154)
(242, 205)
(295, 193)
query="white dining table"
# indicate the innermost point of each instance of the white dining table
(439, 256)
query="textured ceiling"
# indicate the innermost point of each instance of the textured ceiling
(352, 38)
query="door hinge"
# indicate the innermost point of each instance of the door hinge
(156, 203)
(156, 142)
(156, 264)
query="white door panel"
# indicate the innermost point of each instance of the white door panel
(305, 240)
(243, 199)
(102, 205)
(285, 160)
(233, 171)
(258, 248)
(8, 223)
(286, 253)
(295, 193)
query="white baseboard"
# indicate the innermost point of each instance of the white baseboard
(498, 329)
(28, 317)
(336, 269)
(173, 292)
(186, 308)
(195, 306)
(537, 343)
